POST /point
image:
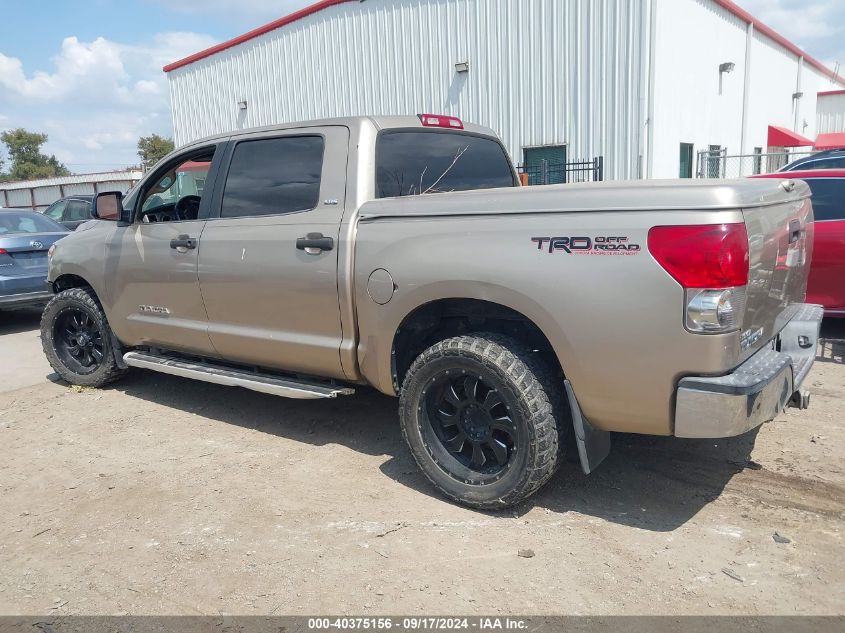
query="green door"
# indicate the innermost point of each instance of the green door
(686, 161)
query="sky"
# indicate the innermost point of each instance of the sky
(88, 72)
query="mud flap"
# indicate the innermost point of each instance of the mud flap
(117, 349)
(593, 444)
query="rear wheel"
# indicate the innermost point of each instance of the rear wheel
(77, 339)
(477, 415)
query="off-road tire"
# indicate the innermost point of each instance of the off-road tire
(84, 300)
(526, 386)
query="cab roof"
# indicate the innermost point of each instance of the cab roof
(353, 123)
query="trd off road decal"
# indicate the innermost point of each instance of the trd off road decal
(597, 245)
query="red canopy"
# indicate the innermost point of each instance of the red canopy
(831, 140)
(781, 137)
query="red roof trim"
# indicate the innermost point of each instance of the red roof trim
(325, 4)
(777, 37)
(830, 93)
(261, 30)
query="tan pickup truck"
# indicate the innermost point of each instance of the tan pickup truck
(304, 260)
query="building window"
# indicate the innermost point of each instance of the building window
(758, 160)
(685, 161)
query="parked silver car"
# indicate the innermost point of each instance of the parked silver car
(25, 238)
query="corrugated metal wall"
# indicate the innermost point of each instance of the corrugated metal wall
(541, 72)
(830, 113)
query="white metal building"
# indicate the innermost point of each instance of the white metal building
(41, 193)
(830, 112)
(643, 83)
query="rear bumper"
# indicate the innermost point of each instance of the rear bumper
(756, 391)
(23, 289)
(25, 298)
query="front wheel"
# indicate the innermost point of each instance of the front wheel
(476, 413)
(77, 339)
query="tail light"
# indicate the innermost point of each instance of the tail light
(3, 251)
(710, 261)
(440, 120)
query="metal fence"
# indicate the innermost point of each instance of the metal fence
(546, 173)
(717, 163)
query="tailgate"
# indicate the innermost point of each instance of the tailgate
(780, 237)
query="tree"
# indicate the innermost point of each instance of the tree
(153, 148)
(28, 162)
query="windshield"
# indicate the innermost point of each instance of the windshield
(415, 162)
(27, 222)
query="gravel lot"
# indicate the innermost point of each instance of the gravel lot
(165, 496)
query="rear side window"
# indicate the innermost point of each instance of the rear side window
(274, 176)
(410, 163)
(828, 198)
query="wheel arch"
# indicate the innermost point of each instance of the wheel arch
(438, 319)
(69, 280)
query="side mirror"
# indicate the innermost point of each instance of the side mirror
(108, 205)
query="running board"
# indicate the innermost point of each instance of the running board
(285, 387)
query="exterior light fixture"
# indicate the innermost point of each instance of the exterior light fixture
(462, 67)
(797, 95)
(727, 67)
(242, 105)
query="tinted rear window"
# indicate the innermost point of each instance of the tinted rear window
(274, 176)
(415, 162)
(828, 198)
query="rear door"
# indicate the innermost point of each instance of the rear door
(827, 271)
(269, 302)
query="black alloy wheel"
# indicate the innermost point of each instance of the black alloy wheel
(78, 340)
(471, 422)
(481, 416)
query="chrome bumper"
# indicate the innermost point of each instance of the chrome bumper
(756, 391)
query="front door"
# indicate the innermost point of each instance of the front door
(271, 301)
(155, 293)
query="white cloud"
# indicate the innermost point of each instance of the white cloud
(99, 97)
(818, 27)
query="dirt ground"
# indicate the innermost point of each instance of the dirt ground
(165, 496)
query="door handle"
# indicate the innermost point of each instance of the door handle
(183, 241)
(314, 243)
(794, 231)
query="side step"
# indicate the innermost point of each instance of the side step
(219, 375)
